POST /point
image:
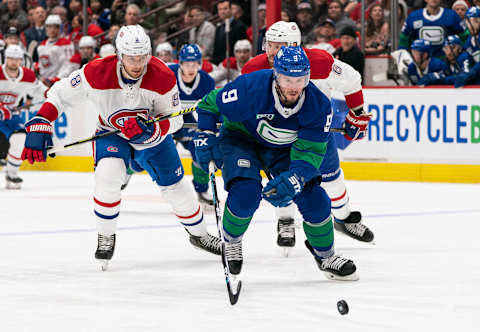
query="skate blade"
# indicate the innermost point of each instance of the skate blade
(103, 264)
(351, 277)
(12, 187)
(285, 251)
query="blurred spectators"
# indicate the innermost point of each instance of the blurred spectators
(164, 52)
(100, 15)
(50, 4)
(203, 32)
(284, 16)
(348, 52)
(320, 10)
(237, 32)
(237, 11)
(325, 36)
(11, 10)
(118, 11)
(12, 37)
(37, 32)
(132, 15)
(153, 20)
(460, 7)
(65, 28)
(304, 20)
(376, 31)
(335, 13)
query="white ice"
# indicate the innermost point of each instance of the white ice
(423, 273)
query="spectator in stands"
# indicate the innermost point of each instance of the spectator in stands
(101, 14)
(284, 15)
(433, 23)
(118, 11)
(335, 13)
(13, 12)
(37, 32)
(203, 32)
(153, 20)
(325, 35)
(237, 11)
(348, 52)
(460, 7)
(132, 14)
(376, 31)
(237, 32)
(112, 34)
(423, 62)
(164, 52)
(262, 28)
(356, 12)
(304, 21)
(320, 10)
(65, 28)
(50, 4)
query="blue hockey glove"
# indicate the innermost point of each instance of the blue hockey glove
(429, 79)
(462, 79)
(39, 138)
(207, 149)
(281, 190)
(138, 132)
(356, 123)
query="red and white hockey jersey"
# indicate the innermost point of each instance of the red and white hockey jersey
(74, 63)
(13, 89)
(326, 72)
(99, 87)
(53, 55)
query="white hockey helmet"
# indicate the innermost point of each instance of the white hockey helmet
(14, 51)
(284, 32)
(242, 44)
(106, 50)
(53, 20)
(164, 47)
(132, 40)
(87, 41)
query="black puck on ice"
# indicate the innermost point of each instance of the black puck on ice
(342, 307)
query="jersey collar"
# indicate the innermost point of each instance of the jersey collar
(12, 79)
(285, 111)
(429, 17)
(188, 91)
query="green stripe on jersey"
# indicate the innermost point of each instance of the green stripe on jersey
(235, 226)
(308, 151)
(319, 235)
(199, 175)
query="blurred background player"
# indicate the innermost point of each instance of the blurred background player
(164, 52)
(85, 54)
(226, 72)
(12, 37)
(327, 74)
(17, 84)
(124, 92)
(277, 121)
(423, 62)
(54, 52)
(106, 50)
(193, 83)
(472, 47)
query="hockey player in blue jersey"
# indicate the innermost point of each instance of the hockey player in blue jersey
(423, 63)
(432, 23)
(279, 121)
(193, 83)
(472, 47)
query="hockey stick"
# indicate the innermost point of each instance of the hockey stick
(195, 125)
(117, 131)
(232, 296)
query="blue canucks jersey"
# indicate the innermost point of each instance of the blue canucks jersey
(434, 66)
(434, 28)
(472, 47)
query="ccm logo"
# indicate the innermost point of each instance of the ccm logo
(112, 149)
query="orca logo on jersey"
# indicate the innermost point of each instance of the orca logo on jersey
(117, 119)
(279, 136)
(8, 98)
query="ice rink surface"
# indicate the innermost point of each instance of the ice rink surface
(422, 275)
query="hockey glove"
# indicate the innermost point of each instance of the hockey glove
(207, 149)
(138, 132)
(281, 190)
(463, 78)
(430, 79)
(356, 123)
(38, 140)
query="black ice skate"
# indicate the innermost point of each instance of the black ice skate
(205, 198)
(207, 242)
(13, 182)
(335, 267)
(105, 249)
(353, 227)
(233, 254)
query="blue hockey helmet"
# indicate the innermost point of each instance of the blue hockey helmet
(472, 12)
(452, 40)
(291, 61)
(421, 45)
(190, 52)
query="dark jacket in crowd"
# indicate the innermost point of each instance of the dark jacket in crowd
(354, 58)
(238, 30)
(35, 34)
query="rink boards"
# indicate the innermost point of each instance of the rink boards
(428, 135)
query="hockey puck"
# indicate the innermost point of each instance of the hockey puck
(342, 307)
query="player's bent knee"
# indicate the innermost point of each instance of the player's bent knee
(313, 203)
(182, 198)
(110, 174)
(17, 142)
(244, 196)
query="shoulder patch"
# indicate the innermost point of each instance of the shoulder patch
(159, 77)
(28, 75)
(102, 73)
(321, 63)
(256, 63)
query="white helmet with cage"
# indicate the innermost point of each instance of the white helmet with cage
(14, 51)
(284, 32)
(87, 41)
(132, 40)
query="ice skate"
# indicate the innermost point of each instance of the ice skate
(353, 227)
(234, 256)
(335, 267)
(105, 249)
(207, 242)
(13, 182)
(286, 235)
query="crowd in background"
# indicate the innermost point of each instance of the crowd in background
(332, 25)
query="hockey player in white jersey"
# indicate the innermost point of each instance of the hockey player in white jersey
(125, 90)
(85, 54)
(327, 74)
(17, 84)
(54, 52)
(230, 68)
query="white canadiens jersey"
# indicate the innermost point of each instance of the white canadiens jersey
(53, 55)
(99, 87)
(12, 90)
